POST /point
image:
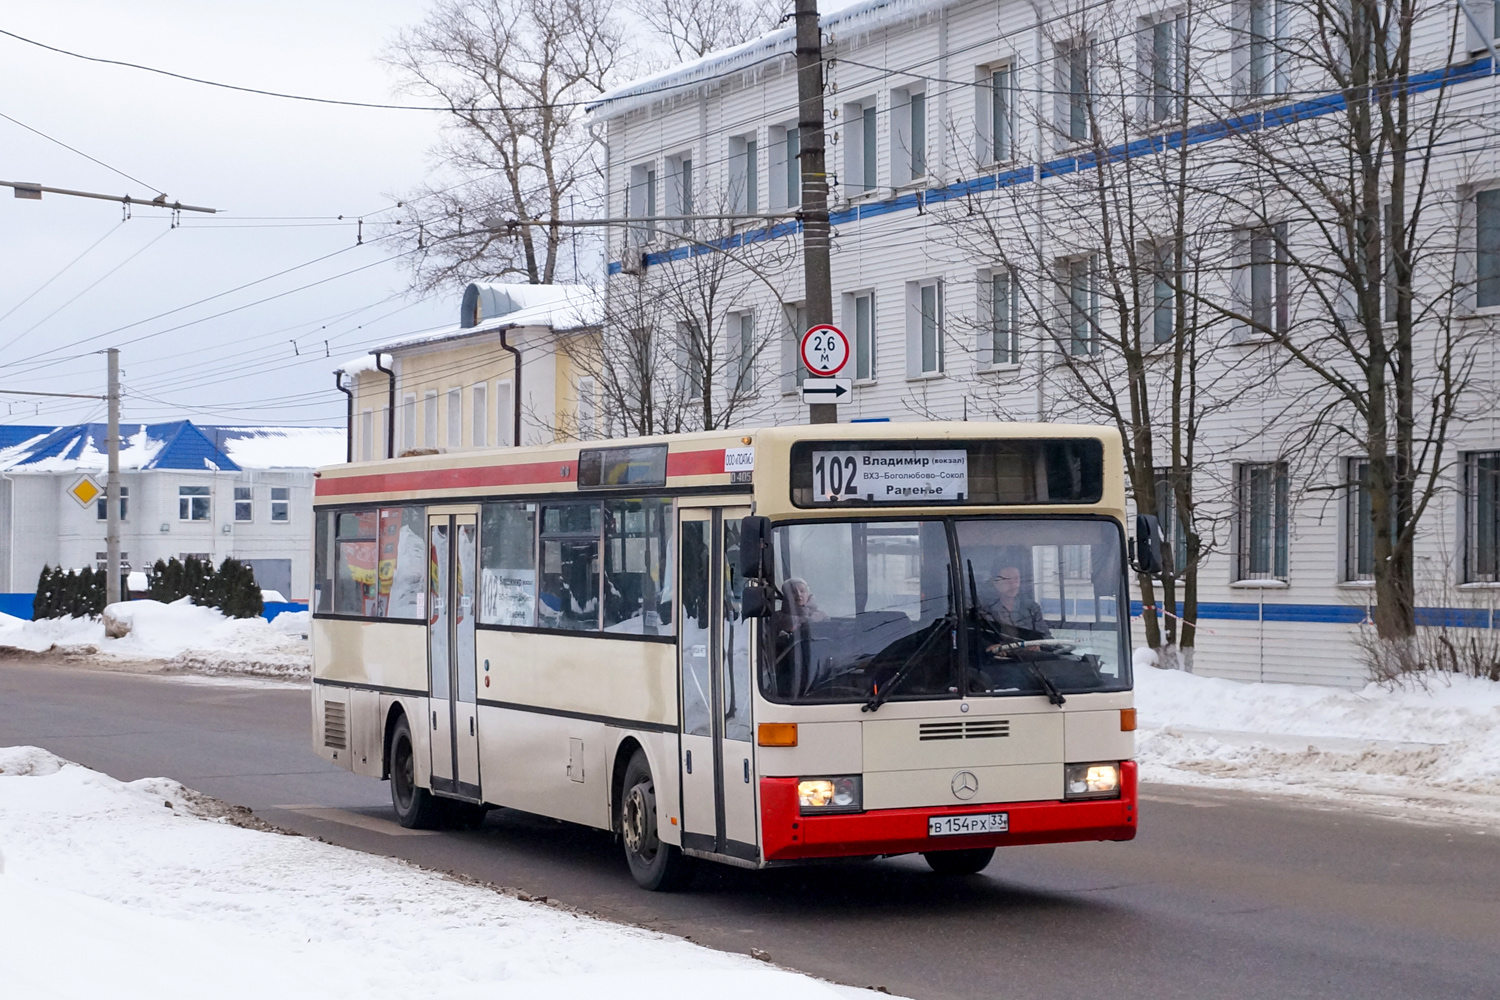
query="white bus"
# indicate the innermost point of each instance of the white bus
(754, 647)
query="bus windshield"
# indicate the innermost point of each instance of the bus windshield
(945, 607)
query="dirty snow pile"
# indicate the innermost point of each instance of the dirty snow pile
(176, 636)
(1430, 745)
(135, 890)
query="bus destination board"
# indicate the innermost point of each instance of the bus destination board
(890, 476)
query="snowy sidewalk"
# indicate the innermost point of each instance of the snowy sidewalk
(127, 891)
(1429, 751)
(177, 636)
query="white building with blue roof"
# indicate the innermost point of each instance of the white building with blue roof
(209, 491)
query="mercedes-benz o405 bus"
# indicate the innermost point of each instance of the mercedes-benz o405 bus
(756, 647)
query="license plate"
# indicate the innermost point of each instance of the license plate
(953, 826)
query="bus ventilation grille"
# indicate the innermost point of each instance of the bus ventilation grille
(335, 725)
(969, 729)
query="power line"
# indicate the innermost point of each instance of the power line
(43, 286)
(80, 152)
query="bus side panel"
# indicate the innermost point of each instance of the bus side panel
(381, 654)
(366, 733)
(545, 764)
(622, 679)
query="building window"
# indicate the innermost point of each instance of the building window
(505, 413)
(792, 165)
(680, 192)
(794, 372)
(101, 564)
(481, 416)
(409, 421)
(1002, 110)
(1263, 282)
(367, 435)
(1487, 247)
(1171, 524)
(744, 175)
(193, 503)
(1260, 48)
(1359, 544)
(1482, 517)
(641, 203)
(1004, 299)
(742, 341)
(1080, 306)
(430, 419)
(244, 503)
(864, 335)
(908, 136)
(1072, 73)
(101, 509)
(1262, 515)
(860, 156)
(925, 328)
(1165, 265)
(281, 503)
(1163, 52)
(455, 418)
(690, 360)
(587, 409)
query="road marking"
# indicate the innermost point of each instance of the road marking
(374, 824)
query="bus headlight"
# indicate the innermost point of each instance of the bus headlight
(829, 795)
(1091, 781)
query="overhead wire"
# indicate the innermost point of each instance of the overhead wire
(75, 149)
(65, 268)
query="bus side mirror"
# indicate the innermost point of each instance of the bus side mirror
(755, 548)
(1145, 547)
(757, 602)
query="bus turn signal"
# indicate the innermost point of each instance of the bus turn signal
(1127, 720)
(777, 734)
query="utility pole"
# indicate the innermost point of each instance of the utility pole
(816, 233)
(112, 485)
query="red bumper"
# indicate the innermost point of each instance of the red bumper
(786, 834)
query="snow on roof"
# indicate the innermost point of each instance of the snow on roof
(180, 445)
(858, 17)
(558, 307)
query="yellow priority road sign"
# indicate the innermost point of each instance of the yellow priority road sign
(85, 490)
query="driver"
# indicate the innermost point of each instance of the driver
(1013, 613)
(798, 606)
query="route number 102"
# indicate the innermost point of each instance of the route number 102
(835, 476)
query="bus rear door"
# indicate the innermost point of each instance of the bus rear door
(452, 548)
(718, 780)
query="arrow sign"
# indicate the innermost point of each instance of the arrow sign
(826, 390)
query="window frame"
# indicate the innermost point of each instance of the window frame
(101, 505)
(925, 331)
(186, 513)
(285, 503)
(1073, 68)
(1278, 519)
(1160, 100)
(248, 500)
(990, 331)
(1481, 484)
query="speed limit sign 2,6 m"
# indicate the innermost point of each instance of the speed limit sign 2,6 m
(825, 350)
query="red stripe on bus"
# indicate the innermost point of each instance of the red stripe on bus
(687, 463)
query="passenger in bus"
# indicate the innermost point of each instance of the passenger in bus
(1012, 612)
(798, 606)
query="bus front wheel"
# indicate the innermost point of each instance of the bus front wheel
(416, 807)
(654, 865)
(966, 862)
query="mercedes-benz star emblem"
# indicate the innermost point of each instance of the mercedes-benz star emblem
(965, 785)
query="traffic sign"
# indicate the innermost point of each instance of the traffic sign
(826, 390)
(85, 490)
(825, 350)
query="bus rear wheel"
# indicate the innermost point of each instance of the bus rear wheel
(654, 865)
(970, 861)
(416, 807)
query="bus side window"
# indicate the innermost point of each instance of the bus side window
(403, 563)
(323, 561)
(507, 564)
(354, 584)
(568, 595)
(637, 567)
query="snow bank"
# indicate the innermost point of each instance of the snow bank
(178, 635)
(1434, 747)
(123, 890)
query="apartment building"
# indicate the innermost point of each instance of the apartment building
(972, 265)
(498, 377)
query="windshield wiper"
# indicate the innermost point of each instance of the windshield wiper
(1053, 694)
(943, 625)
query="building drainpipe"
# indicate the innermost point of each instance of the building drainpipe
(515, 354)
(338, 380)
(390, 407)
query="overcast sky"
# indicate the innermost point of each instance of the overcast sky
(257, 159)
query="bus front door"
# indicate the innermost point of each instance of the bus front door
(452, 545)
(718, 780)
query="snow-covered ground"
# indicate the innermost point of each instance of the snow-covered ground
(144, 890)
(176, 636)
(1429, 748)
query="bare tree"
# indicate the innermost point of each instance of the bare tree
(683, 345)
(514, 74)
(692, 28)
(1109, 259)
(1347, 262)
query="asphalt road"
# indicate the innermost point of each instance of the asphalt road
(1221, 895)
